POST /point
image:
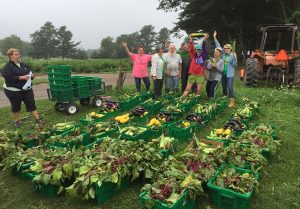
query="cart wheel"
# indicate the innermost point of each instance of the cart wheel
(85, 101)
(97, 101)
(59, 106)
(71, 108)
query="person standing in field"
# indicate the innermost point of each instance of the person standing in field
(173, 71)
(230, 62)
(198, 55)
(140, 67)
(186, 61)
(158, 70)
(215, 67)
(17, 87)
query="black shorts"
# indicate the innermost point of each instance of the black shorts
(16, 98)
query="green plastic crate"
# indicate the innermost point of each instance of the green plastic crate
(65, 95)
(59, 69)
(144, 135)
(183, 202)
(181, 133)
(153, 108)
(19, 172)
(144, 96)
(128, 104)
(71, 144)
(108, 189)
(155, 133)
(226, 198)
(47, 190)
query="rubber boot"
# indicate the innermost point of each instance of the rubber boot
(231, 103)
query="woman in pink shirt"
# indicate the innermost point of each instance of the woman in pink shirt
(140, 67)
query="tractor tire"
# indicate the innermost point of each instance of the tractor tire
(251, 74)
(297, 73)
(71, 108)
(85, 101)
(97, 101)
(60, 107)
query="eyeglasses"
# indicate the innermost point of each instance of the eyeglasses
(226, 48)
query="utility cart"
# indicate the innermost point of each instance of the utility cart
(66, 89)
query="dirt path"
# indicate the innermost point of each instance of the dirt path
(40, 91)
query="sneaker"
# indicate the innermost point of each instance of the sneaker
(17, 124)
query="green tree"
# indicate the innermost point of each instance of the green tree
(163, 36)
(66, 47)
(107, 48)
(132, 41)
(147, 38)
(79, 54)
(13, 41)
(233, 19)
(45, 42)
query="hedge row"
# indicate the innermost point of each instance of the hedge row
(79, 66)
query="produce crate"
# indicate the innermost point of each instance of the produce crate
(32, 142)
(65, 95)
(47, 190)
(226, 198)
(59, 70)
(153, 108)
(181, 134)
(108, 189)
(71, 144)
(19, 172)
(130, 103)
(145, 95)
(155, 133)
(78, 81)
(144, 135)
(225, 141)
(81, 92)
(183, 202)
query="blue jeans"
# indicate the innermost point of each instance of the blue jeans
(138, 83)
(171, 83)
(227, 83)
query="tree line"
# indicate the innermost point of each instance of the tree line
(233, 19)
(51, 42)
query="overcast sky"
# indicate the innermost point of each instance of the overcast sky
(88, 20)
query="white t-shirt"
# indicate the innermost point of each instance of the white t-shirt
(173, 61)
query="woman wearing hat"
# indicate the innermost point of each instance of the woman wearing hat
(198, 56)
(215, 67)
(230, 62)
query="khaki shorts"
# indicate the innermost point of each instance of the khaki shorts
(198, 79)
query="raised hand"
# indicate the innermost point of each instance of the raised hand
(215, 34)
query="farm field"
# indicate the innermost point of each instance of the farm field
(279, 182)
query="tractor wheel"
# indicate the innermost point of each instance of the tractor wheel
(60, 107)
(85, 101)
(97, 101)
(297, 73)
(251, 74)
(71, 108)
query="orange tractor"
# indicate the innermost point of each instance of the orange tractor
(278, 58)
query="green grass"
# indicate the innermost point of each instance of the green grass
(279, 183)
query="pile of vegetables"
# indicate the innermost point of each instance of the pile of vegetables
(265, 129)
(132, 130)
(99, 128)
(10, 142)
(220, 133)
(139, 112)
(195, 118)
(260, 141)
(109, 106)
(154, 123)
(230, 178)
(122, 118)
(63, 126)
(74, 135)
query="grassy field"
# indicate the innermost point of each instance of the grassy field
(279, 184)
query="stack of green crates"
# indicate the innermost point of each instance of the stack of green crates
(81, 86)
(94, 83)
(59, 77)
